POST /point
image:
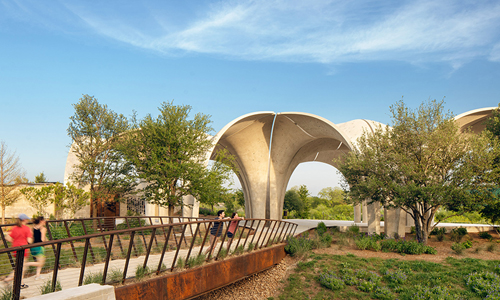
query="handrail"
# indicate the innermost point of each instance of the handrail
(177, 239)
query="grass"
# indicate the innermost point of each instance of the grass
(327, 276)
(6, 294)
(141, 272)
(93, 278)
(46, 287)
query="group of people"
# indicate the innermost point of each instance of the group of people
(217, 229)
(20, 235)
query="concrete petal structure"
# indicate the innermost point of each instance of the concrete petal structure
(269, 146)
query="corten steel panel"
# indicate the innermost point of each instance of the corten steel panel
(200, 280)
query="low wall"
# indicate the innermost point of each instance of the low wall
(197, 281)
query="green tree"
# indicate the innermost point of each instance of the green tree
(170, 153)
(40, 178)
(421, 164)
(491, 210)
(10, 171)
(95, 131)
(39, 198)
(74, 200)
(334, 196)
(292, 202)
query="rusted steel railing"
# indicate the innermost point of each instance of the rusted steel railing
(105, 253)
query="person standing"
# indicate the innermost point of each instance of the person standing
(39, 235)
(216, 231)
(232, 228)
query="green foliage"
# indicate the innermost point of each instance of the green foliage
(331, 281)
(6, 294)
(96, 132)
(40, 178)
(334, 196)
(354, 229)
(176, 146)
(398, 166)
(485, 284)
(298, 246)
(196, 261)
(116, 275)
(141, 272)
(382, 293)
(181, 263)
(485, 235)
(46, 287)
(458, 248)
(321, 229)
(406, 247)
(93, 278)
(293, 202)
(207, 211)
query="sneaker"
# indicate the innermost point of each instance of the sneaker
(24, 286)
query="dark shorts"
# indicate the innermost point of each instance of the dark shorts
(230, 235)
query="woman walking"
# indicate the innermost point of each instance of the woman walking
(39, 235)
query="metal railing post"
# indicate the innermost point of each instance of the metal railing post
(84, 261)
(108, 256)
(178, 247)
(56, 267)
(129, 252)
(18, 274)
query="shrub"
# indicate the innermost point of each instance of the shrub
(207, 212)
(458, 248)
(93, 278)
(485, 284)
(467, 244)
(326, 240)
(397, 276)
(366, 286)
(6, 294)
(426, 293)
(141, 272)
(331, 281)
(458, 233)
(368, 243)
(116, 275)
(491, 247)
(407, 247)
(354, 229)
(350, 279)
(298, 246)
(46, 287)
(382, 293)
(321, 229)
(485, 235)
(181, 263)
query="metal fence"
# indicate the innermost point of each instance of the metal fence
(117, 249)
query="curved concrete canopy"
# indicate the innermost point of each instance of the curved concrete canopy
(474, 119)
(269, 146)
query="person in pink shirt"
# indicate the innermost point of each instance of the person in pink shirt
(232, 228)
(20, 235)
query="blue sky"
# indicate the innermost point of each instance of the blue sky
(341, 60)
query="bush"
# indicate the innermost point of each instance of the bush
(467, 244)
(382, 293)
(397, 276)
(485, 284)
(485, 235)
(141, 272)
(458, 248)
(366, 286)
(321, 229)
(93, 278)
(298, 246)
(354, 229)
(407, 247)
(458, 233)
(46, 287)
(331, 281)
(207, 212)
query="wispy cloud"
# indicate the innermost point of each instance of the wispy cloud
(306, 31)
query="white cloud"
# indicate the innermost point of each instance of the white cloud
(307, 31)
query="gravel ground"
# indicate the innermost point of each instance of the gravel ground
(256, 287)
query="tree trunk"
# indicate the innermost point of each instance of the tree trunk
(171, 212)
(421, 227)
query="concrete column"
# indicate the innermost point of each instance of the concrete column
(191, 207)
(357, 213)
(374, 217)
(364, 209)
(395, 222)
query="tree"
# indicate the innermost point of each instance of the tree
(334, 196)
(421, 164)
(169, 152)
(40, 178)
(74, 200)
(292, 201)
(38, 198)
(10, 170)
(95, 131)
(491, 211)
